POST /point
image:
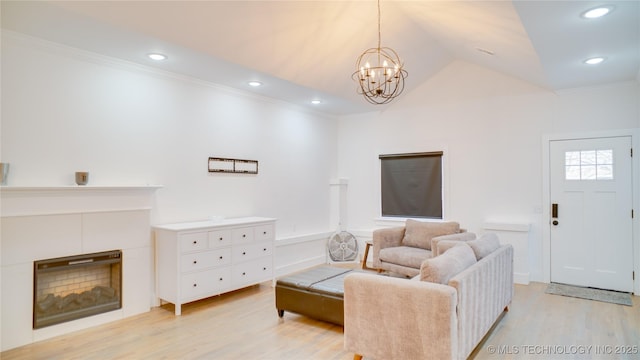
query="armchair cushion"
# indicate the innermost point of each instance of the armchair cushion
(484, 245)
(443, 267)
(419, 233)
(405, 256)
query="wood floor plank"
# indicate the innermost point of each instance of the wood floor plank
(245, 325)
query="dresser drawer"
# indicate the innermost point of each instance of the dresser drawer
(193, 242)
(205, 283)
(242, 235)
(202, 260)
(219, 238)
(253, 271)
(245, 252)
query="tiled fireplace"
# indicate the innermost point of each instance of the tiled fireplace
(41, 225)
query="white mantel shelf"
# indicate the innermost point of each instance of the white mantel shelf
(45, 200)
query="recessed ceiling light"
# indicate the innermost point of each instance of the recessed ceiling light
(316, 101)
(595, 13)
(255, 83)
(594, 60)
(157, 57)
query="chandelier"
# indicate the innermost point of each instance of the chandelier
(379, 73)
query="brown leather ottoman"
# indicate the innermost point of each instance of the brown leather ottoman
(317, 293)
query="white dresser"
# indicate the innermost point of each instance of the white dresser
(196, 260)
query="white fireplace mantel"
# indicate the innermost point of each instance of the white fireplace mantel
(44, 200)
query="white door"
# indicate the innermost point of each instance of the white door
(591, 238)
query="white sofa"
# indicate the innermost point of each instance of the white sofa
(393, 318)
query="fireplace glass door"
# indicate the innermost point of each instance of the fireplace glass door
(74, 287)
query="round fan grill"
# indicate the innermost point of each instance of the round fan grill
(343, 246)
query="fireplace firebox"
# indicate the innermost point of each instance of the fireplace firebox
(74, 287)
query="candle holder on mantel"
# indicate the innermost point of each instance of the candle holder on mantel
(82, 177)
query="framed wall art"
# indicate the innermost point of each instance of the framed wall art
(237, 166)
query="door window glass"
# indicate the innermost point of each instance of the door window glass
(588, 165)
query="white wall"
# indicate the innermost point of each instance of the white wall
(64, 110)
(490, 127)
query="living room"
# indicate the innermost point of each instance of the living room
(66, 109)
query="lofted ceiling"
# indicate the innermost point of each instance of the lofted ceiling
(304, 50)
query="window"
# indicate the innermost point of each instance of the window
(411, 185)
(588, 165)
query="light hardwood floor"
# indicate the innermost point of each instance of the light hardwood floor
(244, 325)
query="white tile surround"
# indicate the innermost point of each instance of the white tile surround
(46, 222)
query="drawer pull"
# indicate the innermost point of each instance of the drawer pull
(220, 279)
(265, 249)
(244, 235)
(243, 274)
(264, 233)
(244, 253)
(221, 239)
(195, 242)
(195, 261)
(264, 268)
(195, 285)
(220, 257)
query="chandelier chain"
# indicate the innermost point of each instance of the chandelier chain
(379, 27)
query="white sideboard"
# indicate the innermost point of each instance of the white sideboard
(197, 260)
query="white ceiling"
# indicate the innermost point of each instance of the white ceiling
(303, 50)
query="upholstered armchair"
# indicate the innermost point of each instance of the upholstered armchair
(403, 249)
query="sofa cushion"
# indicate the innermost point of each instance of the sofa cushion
(484, 245)
(443, 267)
(405, 255)
(419, 233)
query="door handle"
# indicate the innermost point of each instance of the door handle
(554, 210)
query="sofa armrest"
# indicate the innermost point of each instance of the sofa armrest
(484, 291)
(384, 238)
(462, 236)
(393, 318)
